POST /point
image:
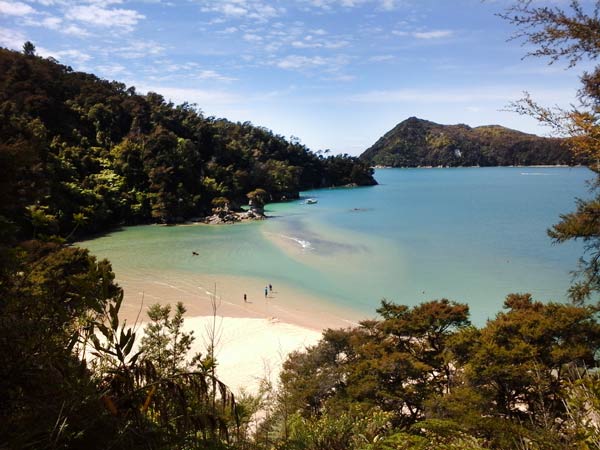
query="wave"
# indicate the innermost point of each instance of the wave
(306, 245)
(535, 173)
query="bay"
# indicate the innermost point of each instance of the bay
(472, 235)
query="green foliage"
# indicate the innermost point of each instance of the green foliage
(71, 374)
(583, 225)
(583, 408)
(258, 197)
(395, 363)
(157, 399)
(357, 428)
(446, 384)
(421, 143)
(72, 144)
(165, 343)
(28, 49)
(49, 298)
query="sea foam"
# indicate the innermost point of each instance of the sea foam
(306, 245)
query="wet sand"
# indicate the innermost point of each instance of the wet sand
(199, 292)
(252, 338)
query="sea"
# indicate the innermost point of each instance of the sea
(472, 235)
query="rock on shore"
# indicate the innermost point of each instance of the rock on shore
(223, 217)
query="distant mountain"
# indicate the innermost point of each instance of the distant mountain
(416, 143)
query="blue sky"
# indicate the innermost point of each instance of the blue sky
(337, 74)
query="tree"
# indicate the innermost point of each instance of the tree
(165, 343)
(523, 357)
(50, 299)
(28, 49)
(258, 196)
(395, 363)
(573, 34)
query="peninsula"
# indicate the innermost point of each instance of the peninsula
(420, 143)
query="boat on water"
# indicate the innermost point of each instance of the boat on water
(311, 201)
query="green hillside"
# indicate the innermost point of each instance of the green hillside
(79, 152)
(420, 143)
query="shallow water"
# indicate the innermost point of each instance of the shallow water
(471, 235)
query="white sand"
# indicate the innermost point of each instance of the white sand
(248, 349)
(253, 338)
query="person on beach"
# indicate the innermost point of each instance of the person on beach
(270, 288)
(266, 291)
(245, 298)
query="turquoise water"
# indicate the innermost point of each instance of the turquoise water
(468, 234)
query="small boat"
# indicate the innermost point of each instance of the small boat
(311, 201)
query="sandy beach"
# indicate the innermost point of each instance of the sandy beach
(249, 349)
(254, 337)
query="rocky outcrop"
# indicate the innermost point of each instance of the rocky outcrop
(228, 217)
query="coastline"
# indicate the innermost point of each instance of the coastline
(253, 338)
(539, 166)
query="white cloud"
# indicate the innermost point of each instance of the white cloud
(433, 34)
(192, 95)
(137, 49)
(256, 10)
(51, 22)
(15, 8)
(100, 16)
(308, 42)
(56, 24)
(74, 30)
(343, 78)
(500, 95)
(382, 58)
(170, 67)
(230, 9)
(212, 75)
(73, 55)
(112, 70)
(300, 62)
(250, 37)
(65, 56)
(12, 39)
(386, 5)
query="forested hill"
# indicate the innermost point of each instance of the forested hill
(79, 152)
(418, 143)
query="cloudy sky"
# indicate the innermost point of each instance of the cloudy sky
(335, 73)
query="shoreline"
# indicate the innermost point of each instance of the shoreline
(283, 304)
(539, 166)
(253, 338)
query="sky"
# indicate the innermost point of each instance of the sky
(337, 74)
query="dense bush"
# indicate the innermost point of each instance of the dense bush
(80, 153)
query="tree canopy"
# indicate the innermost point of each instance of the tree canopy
(82, 154)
